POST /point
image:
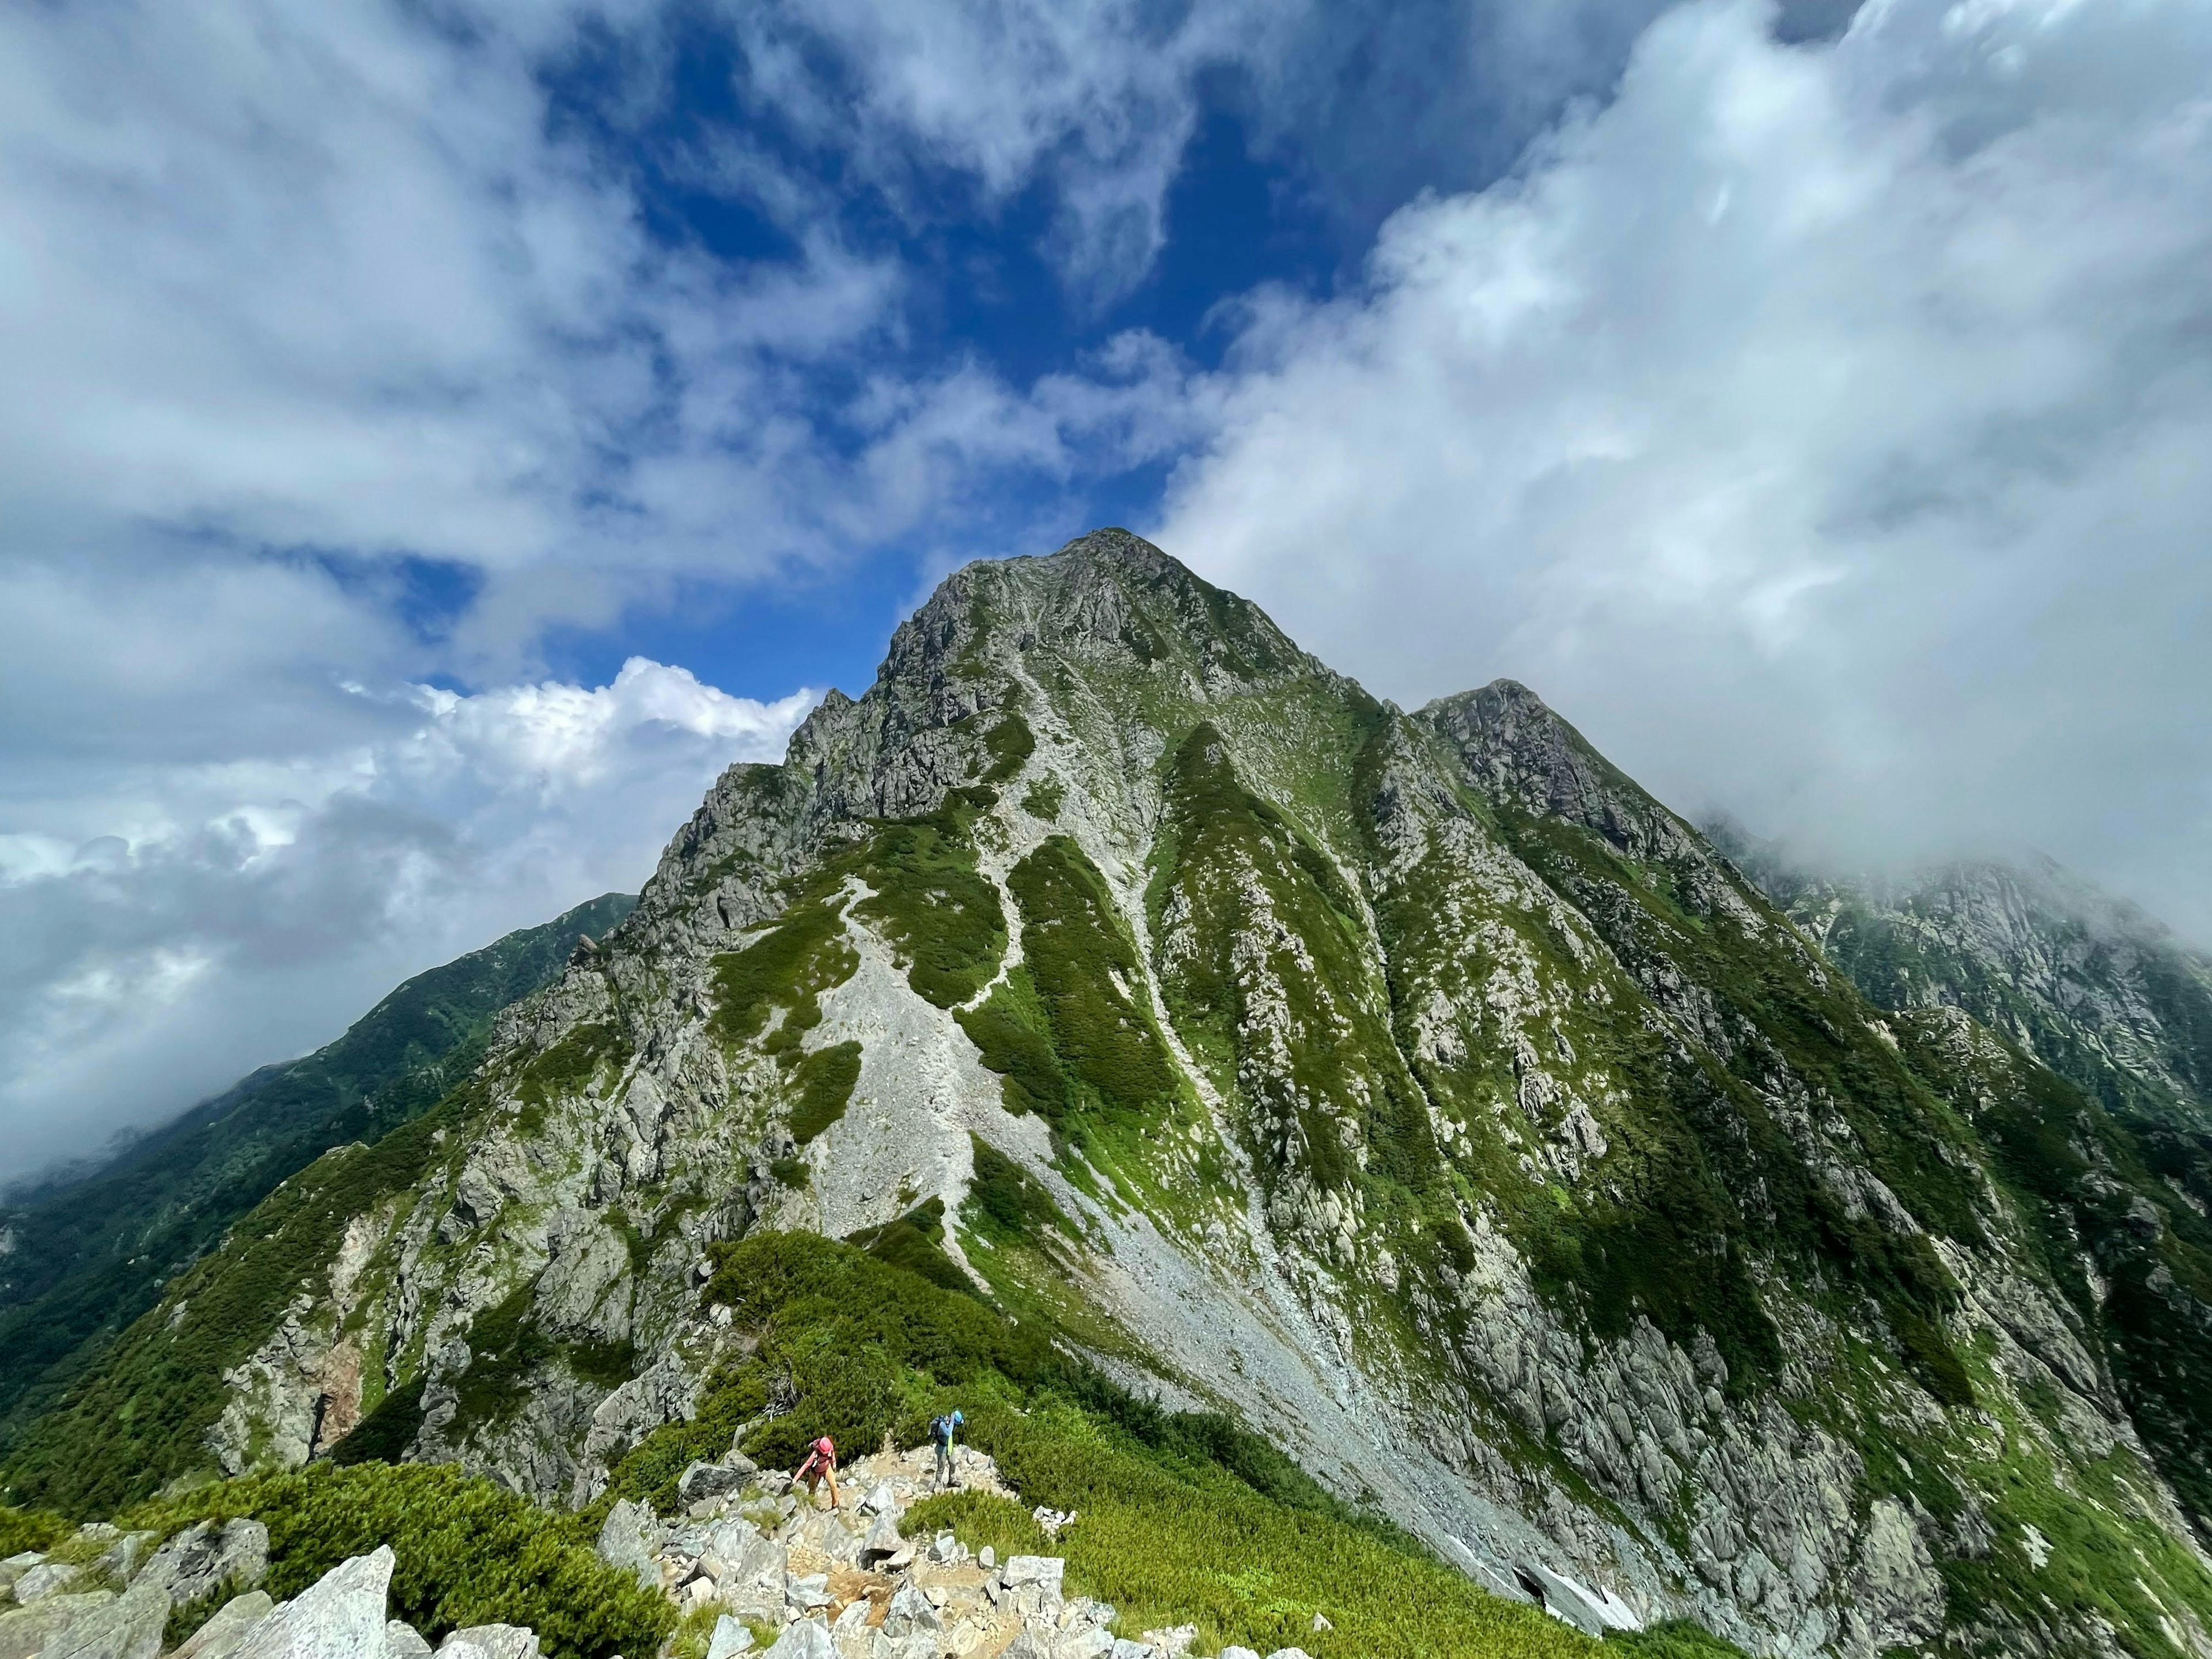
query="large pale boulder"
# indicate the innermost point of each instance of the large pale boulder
(628, 1540)
(129, 1627)
(26, 1632)
(223, 1634)
(339, 1616)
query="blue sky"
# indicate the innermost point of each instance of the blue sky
(440, 436)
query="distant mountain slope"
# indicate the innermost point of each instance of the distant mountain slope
(2103, 994)
(88, 1254)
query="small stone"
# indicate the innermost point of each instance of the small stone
(403, 1641)
(986, 1558)
(1232, 1651)
(882, 1499)
(1092, 1644)
(1321, 1623)
(1176, 1641)
(1288, 1653)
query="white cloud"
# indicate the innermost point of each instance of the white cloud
(138, 976)
(1822, 429)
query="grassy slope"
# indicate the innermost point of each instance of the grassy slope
(92, 1255)
(1183, 1518)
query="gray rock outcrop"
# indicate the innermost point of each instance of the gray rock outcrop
(340, 1616)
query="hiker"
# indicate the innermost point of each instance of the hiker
(821, 1464)
(942, 1431)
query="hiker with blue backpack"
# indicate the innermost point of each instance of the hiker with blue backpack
(942, 1430)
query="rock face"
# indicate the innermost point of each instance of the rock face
(339, 1616)
(1481, 1136)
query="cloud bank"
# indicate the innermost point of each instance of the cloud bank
(128, 966)
(1821, 428)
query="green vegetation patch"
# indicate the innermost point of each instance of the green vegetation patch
(1246, 873)
(1005, 1204)
(1182, 1516)
(508, 1346)
(31, 1530)
(468, 1552)
(1676, 1638)
(1065, 1028)
(940, 914)
(803, 955)
(1010, 744)
(825, 1080)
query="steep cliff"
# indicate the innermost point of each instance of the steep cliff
(1412, 1087)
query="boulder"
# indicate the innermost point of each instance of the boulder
(45, 1579)
(730, 1638)
(1288, 1653)
(204, 1557)
(129, 1627)
(221, 1635)
(804, 1639)
(1026, 1646)
(26, 1632)
(910, 1612)
(1125, 1648)
(16, 1565)
(403, 1641)
(808, 1592)
(881, 1499)
(491, 1642)
(710, 1481)
(1175, 1641)
(339, 1616)
(1232, 1651)
(627, 1539)
(883, 1541)
(1041, 1572)
(1093, 1644)
(120, 1562)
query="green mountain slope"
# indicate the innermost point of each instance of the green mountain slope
(88, 1255)
(1411, 1089)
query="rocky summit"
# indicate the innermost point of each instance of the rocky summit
(1409, 1089)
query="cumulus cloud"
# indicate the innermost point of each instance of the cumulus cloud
(1821, 428)
(139, 974)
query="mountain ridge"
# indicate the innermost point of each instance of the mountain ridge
(88, 1251)
(1413, 1087)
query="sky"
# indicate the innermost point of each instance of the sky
(439, 435)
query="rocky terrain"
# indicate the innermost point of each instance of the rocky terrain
(1411, 1087)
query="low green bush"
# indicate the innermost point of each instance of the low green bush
(31, 1530)
(468, 1552)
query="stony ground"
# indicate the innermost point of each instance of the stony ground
(771, 1565)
